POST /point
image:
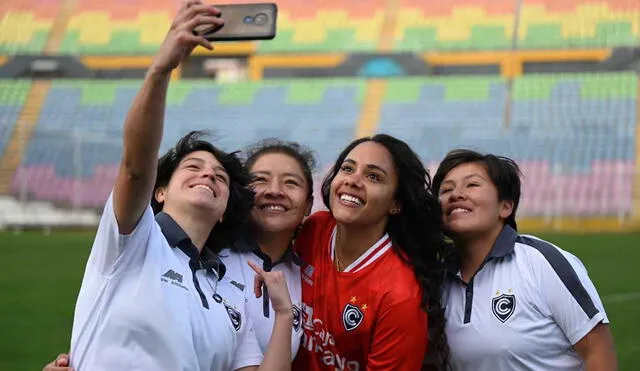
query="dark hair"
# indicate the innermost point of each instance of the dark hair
(303, 155)
(240, 197)
(503, 172)
(416, 231)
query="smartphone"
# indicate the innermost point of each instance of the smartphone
(243, 22)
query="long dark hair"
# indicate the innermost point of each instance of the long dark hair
(240, 197)
(416, 231)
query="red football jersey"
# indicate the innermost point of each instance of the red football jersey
(367, 317)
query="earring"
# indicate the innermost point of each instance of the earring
(395, 211)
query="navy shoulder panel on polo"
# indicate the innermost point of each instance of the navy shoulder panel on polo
(565, 272)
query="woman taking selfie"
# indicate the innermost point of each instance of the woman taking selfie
(154, 295)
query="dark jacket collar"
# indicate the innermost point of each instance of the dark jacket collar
(177, 237)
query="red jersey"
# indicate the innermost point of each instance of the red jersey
(367, 317)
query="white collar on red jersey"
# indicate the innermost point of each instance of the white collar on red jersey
(372, 254)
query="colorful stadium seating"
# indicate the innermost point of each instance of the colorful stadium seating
(138, 27)
(489, 24)
(454, 24)
(118, 27)
(573, 135)
(319, 113)
(25, 24)
(580, 130)
(126, 27)
(579, 23)
(330, 25)
(12, 97)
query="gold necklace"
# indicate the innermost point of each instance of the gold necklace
(337, 260)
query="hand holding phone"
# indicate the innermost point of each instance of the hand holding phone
(242, 22)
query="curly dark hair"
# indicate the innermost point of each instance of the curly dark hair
(416, 231)
(240, 196)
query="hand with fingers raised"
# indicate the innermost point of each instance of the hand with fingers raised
(276, 287)
(181, 39)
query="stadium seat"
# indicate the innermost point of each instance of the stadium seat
(454, 24)
(13, 94)
(25, 25)
(119, 27)
(125, 27)
(331, 25)
(579, 23)
(573, 134)
(583, 126)
(75, 149)
(425, 111)
(138, 27)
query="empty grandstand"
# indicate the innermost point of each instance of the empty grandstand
(552, 84)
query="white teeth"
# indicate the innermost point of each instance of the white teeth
(273, 208)
(352, 199)
(458, 210)
(202, 186)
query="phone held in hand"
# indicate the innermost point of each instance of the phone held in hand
(243, 22)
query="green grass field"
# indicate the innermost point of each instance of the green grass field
(40, 276)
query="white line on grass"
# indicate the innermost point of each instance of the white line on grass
(621, 298)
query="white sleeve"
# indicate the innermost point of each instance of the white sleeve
(248, 352)
(568, 294)
(113, 252)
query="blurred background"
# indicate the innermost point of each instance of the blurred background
(550, 83)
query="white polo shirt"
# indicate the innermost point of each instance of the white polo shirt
(141, 306)
(260, 309)
(525, 308)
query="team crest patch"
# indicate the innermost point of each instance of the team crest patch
(234, 315)
(296, 318)
(503, 306)
(352, 317)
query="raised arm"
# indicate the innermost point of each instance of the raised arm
(144, 123)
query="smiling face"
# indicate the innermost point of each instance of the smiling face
(470, 204)
(281, 200)
(363, 190)
(199, 183)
